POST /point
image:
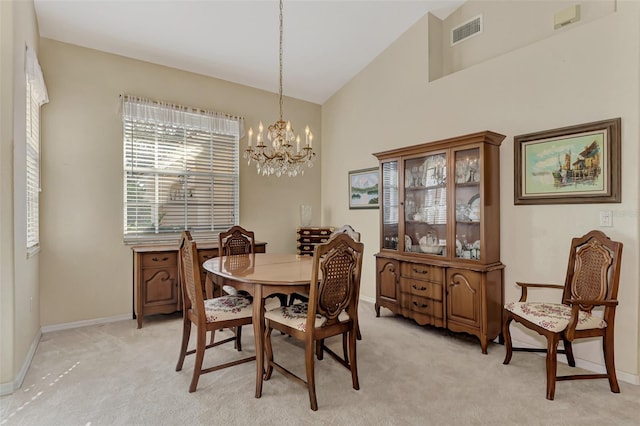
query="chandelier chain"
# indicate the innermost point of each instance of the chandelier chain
(281, 31)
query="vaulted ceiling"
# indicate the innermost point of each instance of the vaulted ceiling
(326, 43)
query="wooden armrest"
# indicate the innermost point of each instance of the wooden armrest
(575, 309)
(525, 286)
(607, 302)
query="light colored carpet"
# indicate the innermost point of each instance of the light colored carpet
(115, 374)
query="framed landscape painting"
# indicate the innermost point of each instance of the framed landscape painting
(363, 189)
(570, 165)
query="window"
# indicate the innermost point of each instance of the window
(181, 170)
(36, 96)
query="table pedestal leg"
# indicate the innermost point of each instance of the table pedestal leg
(258, 330)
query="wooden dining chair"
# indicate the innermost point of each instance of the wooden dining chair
(232, 311)
(332, 310)
(237, 240)
(344, 229)
(591, 281)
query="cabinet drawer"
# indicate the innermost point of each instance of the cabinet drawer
(421, 288)
(206, 254)
(159, 259)
(312, 240)
(421, 272)
(421, 305)
(316, 232)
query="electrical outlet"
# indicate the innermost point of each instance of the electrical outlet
(606, 218)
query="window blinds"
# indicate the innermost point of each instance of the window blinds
(181, 170)
(390, 192)
(36, 96)
(32, 168)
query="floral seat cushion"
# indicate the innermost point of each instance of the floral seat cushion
(295, 316)
(553, 316)
(227, 308)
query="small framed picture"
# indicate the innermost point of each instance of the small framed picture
(363, 189)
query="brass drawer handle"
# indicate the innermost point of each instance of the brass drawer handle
(419, 306)
(423, 288)
(155, 259)
(424, 271)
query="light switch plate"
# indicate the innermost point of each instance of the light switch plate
(606, 218)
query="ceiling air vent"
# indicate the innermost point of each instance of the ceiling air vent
(467, 30)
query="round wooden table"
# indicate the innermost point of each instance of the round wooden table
(261, 275)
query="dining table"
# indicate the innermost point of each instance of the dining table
(261, 275)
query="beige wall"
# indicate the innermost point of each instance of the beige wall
(6, 194)
(581, 74)
(19, 278)
(516, 24)
(86, 270)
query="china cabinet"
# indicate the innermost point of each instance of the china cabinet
(439, 259)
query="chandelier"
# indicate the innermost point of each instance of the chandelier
(283, 155)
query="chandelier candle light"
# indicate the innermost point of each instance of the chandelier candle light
(283, 155)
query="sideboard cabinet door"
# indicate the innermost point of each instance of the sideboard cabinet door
(387, 281)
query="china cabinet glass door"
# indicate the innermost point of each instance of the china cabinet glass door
(468, 203)
(390, 205)
(425, 207)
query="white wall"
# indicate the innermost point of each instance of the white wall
(586, 73)
(86, 270)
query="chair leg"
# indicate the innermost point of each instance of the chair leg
(345, 345)
(213, 337)
(552, 364)
(568, 350)
(354, 360)
(358, 334)
(609, 360)
(507, 338)
(238, 342)
(197, 367)
(269, 352)
(186, 333)
(319, 349)
(311, 377)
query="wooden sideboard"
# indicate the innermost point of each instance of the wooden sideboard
(156, 280)
(307, 238)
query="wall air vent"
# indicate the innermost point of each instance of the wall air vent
(467, 30)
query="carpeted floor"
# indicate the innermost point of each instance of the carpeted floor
(115, 374)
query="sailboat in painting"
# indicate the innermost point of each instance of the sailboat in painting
(585, 169)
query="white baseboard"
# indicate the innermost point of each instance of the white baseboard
(9, 388)
(6, 388)
(84, 323)
(371, 300)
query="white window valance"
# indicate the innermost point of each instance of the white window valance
(153, 111)
(36, 79)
